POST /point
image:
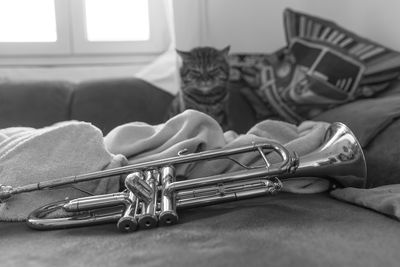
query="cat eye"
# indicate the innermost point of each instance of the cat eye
(195, 73)
(214, 71)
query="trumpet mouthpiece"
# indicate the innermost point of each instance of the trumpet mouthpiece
(5, 192)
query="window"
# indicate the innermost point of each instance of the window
(81, 28)
(28, 26)
(123, 17)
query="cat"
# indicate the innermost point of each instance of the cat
(204, 83)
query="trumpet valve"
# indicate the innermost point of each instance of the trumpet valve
(128, 221)
(148, 218)
(135, 183)
(168, 215)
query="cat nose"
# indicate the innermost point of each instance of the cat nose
(205, 83)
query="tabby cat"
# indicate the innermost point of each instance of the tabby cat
(204, 83)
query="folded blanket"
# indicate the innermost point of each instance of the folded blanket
(32, 155)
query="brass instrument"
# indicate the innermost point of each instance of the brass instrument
(153, 196)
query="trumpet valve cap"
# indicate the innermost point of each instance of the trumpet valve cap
(127, 224)
(147, 221)
(167, 218)
(142, 190)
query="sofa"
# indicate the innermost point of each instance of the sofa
(281, 230)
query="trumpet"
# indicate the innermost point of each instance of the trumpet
(153, 197)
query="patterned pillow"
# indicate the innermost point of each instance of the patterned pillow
(323, 66)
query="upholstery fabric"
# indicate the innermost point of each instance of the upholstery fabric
(384, 199)
(108, 103)
(367, 117)
(383, 157)
(34, 104)
(105, 103)
(281, 230)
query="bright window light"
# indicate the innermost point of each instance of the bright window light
(117, 20)
(27, 21)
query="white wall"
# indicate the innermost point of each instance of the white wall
(257, 25)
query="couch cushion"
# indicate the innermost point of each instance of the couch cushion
(109, 103)
(367, 117)
(323, 66)
(34, 104)
(241, 114)
(383, 157)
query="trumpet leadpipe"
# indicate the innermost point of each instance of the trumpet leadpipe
(99, 201)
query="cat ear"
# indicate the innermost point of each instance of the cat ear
(184, 55)
(225, 51)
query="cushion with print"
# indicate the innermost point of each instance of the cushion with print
(323, 66)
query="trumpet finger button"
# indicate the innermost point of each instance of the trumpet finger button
(147, 221)
(167, 218)
(127, 224)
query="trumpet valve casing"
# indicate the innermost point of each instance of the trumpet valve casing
(148, 218)
(128, 221)
(168, 215)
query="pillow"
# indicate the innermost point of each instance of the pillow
(322, 66)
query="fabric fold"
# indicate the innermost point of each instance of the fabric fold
(384, 199)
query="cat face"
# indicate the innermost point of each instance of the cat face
(204, 69)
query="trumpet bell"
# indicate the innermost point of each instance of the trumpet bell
(340, 158)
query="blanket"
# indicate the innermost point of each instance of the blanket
(30, 155)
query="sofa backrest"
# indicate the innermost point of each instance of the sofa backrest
(34, 104)
(105, 103)
(109, 103)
